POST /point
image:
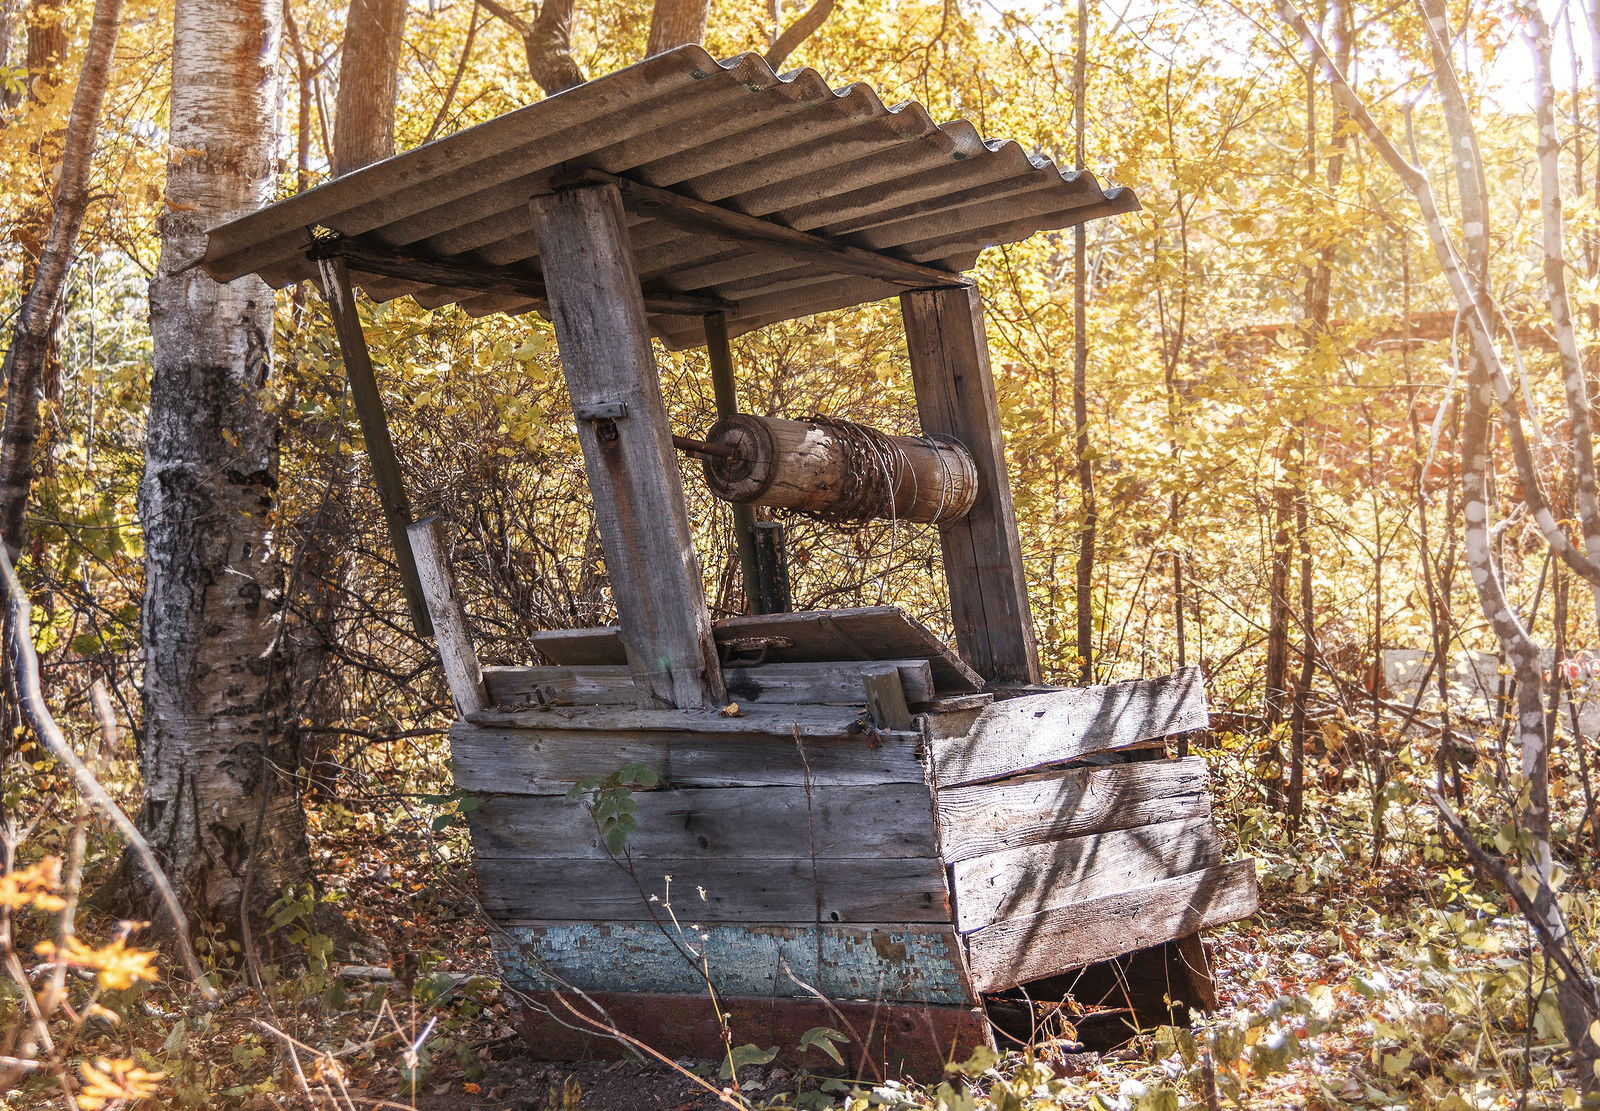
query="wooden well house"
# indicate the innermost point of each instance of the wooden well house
(915, 844)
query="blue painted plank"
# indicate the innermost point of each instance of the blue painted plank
(891, 964)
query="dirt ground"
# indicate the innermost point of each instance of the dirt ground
(520, 1083)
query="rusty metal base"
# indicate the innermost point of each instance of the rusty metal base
(904, 1038)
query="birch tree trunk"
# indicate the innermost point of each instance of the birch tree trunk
(220, 751)
(1530, 883)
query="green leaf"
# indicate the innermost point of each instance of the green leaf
(823, 1037)
(743, 1056)
(441, 821)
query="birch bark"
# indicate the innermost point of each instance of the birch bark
(220, 751)
(1579, 1002)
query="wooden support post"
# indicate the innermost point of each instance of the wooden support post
(772, 568)
(375, 431)
(1197, 964)
(982, 552)
(611, 374)
(450, 630)
(886, 699)
(719, 352)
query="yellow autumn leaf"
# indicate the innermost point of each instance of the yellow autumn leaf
(117, 1079)
(33, 886)
(119, 967)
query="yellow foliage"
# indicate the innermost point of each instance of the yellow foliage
(117, 1079)
(118, 966)
(33, 886)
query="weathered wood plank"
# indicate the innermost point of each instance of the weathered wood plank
(1197, 966)
(863, 633)
(819, 636)
(782, 684)
(917, 961)
(690, 824)
(777, 721)
(630, 462)
(600, 647)
(1019, 734)
(1036, 878)
(547, 762)
(1018, 950)
(825, 682)
(450, 631)
(851, 889)
(610, 685)
(1035, 810)
(982, 551)
(886, 700)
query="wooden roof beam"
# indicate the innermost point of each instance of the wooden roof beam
(701, 216)
(477, 278)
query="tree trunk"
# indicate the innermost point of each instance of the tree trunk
(1080, 374)
(219, 749)
(31, 345)
(369, 70)
(676, 22)
(549, 47)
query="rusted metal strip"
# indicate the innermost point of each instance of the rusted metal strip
(905, 1038)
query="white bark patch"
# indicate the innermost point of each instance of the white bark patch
(1548, 526)
(1474, 229)
(1476, 512)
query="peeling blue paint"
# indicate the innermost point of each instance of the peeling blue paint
(857, 963)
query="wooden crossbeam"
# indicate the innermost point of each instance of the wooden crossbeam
(701, 216)
(454, 274)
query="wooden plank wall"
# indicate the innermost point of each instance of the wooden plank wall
(989, 848)
(812, 853)
(1054, 866)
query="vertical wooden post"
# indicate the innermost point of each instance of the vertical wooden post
(982, 552)
(375, 431)
(628, 455)
(450, 632)
(719, 352)
(772, 567)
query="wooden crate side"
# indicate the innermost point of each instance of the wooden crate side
(1020, 950)
(907, 1039)
(905, 962)
(782, 684)
(693, 824)
(1020, 734)
(1038, 809)
(774, 721)
(1025, 881)
(737, 889)
(549, 761)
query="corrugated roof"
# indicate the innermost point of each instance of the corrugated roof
(835, 163)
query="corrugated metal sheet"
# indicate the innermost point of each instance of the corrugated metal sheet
(833, 162)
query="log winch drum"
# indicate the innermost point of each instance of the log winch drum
(840, 471)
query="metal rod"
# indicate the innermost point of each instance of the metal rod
(375, 431)
(700, 447)
(720, 354)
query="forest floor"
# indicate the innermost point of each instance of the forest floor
(1397, 985)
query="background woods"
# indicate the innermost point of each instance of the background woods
(1330, 441)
